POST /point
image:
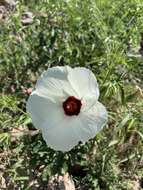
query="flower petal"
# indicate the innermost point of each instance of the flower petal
(83, 81)
(92, 121)
(63, 136)
(53, 83)
(88, 102)
(42, 109)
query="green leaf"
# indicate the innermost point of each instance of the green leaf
(113, 142)
(124, 121)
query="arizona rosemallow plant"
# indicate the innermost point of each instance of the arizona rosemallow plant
(65, 107)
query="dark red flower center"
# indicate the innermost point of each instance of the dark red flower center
(72, 106)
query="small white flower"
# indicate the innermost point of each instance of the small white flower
(65, 107)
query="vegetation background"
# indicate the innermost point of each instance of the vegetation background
(105, 36)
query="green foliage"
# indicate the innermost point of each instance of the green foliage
(95, 34)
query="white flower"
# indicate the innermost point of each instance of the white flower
(65, 107)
